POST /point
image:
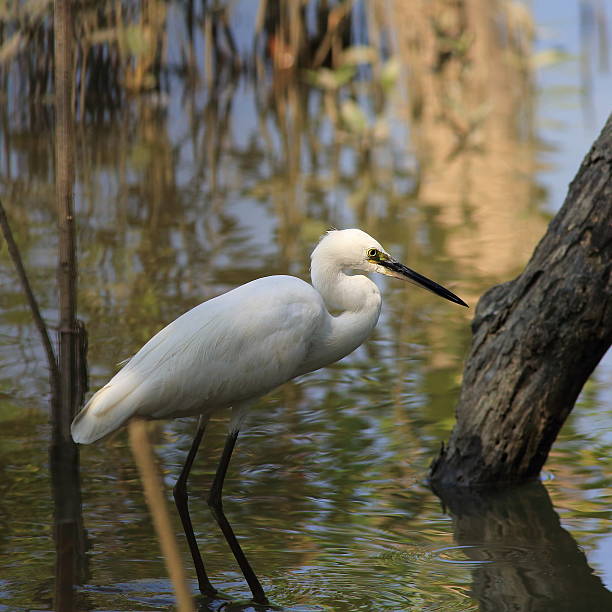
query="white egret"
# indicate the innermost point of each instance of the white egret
(236, 347)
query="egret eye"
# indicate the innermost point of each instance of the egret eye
(372, 253)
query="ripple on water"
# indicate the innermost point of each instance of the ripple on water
(145, 594)
(461, 555)
(471, 555)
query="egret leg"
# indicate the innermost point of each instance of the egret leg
(215, 502)
(181, 499)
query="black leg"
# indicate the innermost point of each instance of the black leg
(215, 502)
(180, 499)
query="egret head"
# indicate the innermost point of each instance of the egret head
(353, 249)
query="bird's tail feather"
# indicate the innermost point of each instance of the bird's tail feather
(101, 415)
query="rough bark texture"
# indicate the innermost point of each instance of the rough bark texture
(537, 339)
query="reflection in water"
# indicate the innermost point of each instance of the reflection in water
(186, 193)
(67, 386)
(524, 559)
(71, 566)
(472, 105)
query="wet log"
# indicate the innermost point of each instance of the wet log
(536, 340)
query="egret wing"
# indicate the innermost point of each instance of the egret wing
(237, 346)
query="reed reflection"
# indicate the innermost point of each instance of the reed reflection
(67, 385)
(179, 186)
(471, 105)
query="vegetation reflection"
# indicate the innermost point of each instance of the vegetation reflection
(214, 144)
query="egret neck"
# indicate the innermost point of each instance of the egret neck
(353, 304)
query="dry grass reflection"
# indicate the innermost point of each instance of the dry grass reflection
(471, 105)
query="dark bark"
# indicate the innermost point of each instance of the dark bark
(523, 558)
(537, 339)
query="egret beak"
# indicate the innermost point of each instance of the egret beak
(398, 270)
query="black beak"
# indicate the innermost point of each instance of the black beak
(398, 270)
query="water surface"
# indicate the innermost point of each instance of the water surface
(183, 196)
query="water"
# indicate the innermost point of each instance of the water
(183, 196)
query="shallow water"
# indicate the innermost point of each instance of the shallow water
(181, 198)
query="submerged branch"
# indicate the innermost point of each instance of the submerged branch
(13, 250)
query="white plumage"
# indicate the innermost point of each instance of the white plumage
(213, 356)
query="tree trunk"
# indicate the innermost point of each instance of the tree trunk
(536, 340)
